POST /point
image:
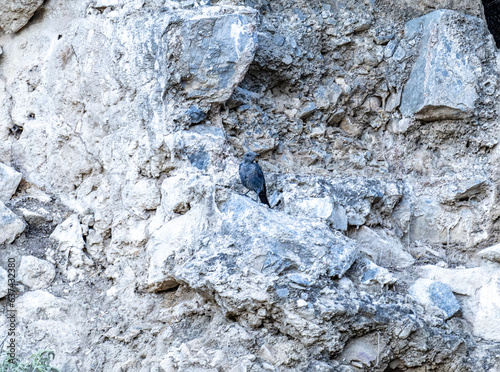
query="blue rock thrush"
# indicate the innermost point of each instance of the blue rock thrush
(252, 177)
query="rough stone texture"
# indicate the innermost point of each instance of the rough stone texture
(385, 250)
(14, 15)
(444, 80)
(45, 321)
(35, 273)
(9, 180)
(375, 274)
(435, 295)
(479, 286)
(491, 253)
(11, 226)
(132, 116)
(4, 283)
(69, 253)
(241, 239)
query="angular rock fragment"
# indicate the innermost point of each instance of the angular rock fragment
(360, 353)
(375, 274)
(491, 253)
(36, 273)
(383, 249)
(14, 15)
(9, 180)
(11, 226)
(479, 286)
(214, 64)
(435, 295)
(443, 83)
(69, 238)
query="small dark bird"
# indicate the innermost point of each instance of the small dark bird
(252, 177)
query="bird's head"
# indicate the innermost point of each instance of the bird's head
(250, 157)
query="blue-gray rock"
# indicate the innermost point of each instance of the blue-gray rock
(196, 115)
(200, 159)
(238, 253)
(254, 247)
(444, 80)
(214, 62)
(441, 295)
(307, 110)
(435, 296)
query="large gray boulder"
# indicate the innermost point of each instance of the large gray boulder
(384, 249)
(213, 63)
(445, 78)
(238, 252)
(255, 247)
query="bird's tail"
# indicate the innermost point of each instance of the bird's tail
(263, 198)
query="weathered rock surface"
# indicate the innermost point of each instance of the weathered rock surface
(4, 282)
(11, 226)
(383, 249)
(69, 253)
(479, 286)
(48, 321)
(491, 253)
(35, 273)
(132, 116)
(434, 296)
(9, 180)
(15, 15)
(241, 243)
(444, 80)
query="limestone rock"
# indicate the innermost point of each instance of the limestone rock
(211, 66)
(187, 206)
(4, 283)
(433, 294)
(280, 244)
(36, 273)
(45, 321)
(361, 352)
(487, 313)
(443, 83)
(69, 238)
(339, 202)
(375, 274)
(34, 304)
(9, 180)
(491, 253)
(69, 234)
(385, 250)
(479, 285)
(15, 14)
(11, 226)
(212, 250)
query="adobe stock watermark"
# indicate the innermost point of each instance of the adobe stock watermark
(10, 310)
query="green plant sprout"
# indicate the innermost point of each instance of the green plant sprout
(38, 362)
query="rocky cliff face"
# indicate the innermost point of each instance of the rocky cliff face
(122, 124)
